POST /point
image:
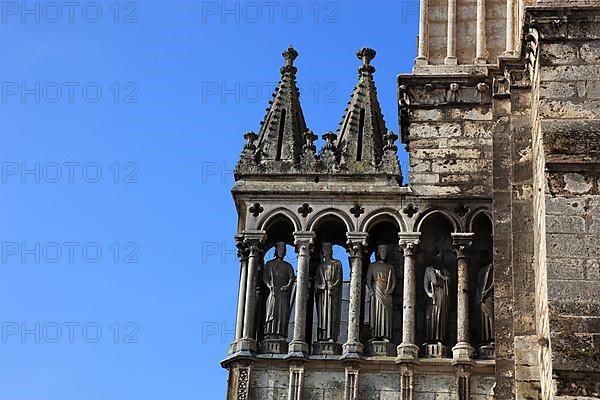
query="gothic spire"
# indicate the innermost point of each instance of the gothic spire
(281, 135)
(362, 134)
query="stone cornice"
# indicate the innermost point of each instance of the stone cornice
(291, 187)
(559, 23)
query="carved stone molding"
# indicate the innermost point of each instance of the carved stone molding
(351, 384)
(407, 376)
(242, 391)
(296, 384)
(463, 382)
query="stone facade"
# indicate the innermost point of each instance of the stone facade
(502, 130)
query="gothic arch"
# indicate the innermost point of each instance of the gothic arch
(477, 213)
(381, 215)
(438, 211)
(330, 212)
(283, 213)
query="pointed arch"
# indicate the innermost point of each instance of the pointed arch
(279, 213)
(330, 212)
(479, 212)
(382, 214)
(456, 227)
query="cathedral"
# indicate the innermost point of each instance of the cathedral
(475, 274)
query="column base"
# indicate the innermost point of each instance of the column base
(480, 61)
(451, 61)
(407, 352)
(488, 352)
(233, 346)
(246, 345)
(353, 348)
(381, 348)
(327, 348)
(420, 61)
(435, 350)
(463, 351)
(273, 346)
(298, 347)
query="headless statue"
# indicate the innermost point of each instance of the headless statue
(437, 288)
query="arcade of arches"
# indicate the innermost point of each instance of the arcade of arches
(410, 295)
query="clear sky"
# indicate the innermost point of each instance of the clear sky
(122, 123)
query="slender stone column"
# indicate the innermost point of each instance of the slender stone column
(451, 40)
(422, 53)
(480, 46)
(408, 350)
(521, 12)
(462, 243)
(510, 27)
(253, 241)
(241, 305)
(357, 244)
(304, 242)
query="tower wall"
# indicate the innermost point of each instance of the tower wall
(450, 141)
(567, 153)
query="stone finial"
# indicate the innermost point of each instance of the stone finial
(290, 55)
(482, 87)
(310, 138)
(329, 138)
(250, 137)
(390, 139)
(366, 55)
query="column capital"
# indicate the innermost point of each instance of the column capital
(462, 243)
(304, 241)
(409, 241)
(357, 243)
(301, 237)
(253, 238)
(254, 241)
(242, 247)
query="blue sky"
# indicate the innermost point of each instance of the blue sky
(121, 125)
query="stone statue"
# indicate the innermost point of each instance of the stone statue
(328, 285)
(437, 288)
(486, 299)
(278, 276)
(381, 282)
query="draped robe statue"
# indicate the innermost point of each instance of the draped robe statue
(328, 285)
(381, 282)
(486, 300)
(278, 276)
(437, 288)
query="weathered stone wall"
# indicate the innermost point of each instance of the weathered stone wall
(503, 265)
(569, 117)
(544, 359)
(517, 371)
(546, 198)
(466, 30)
(495, 28)
(323, 382)
(450, 139)
(438, 31)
